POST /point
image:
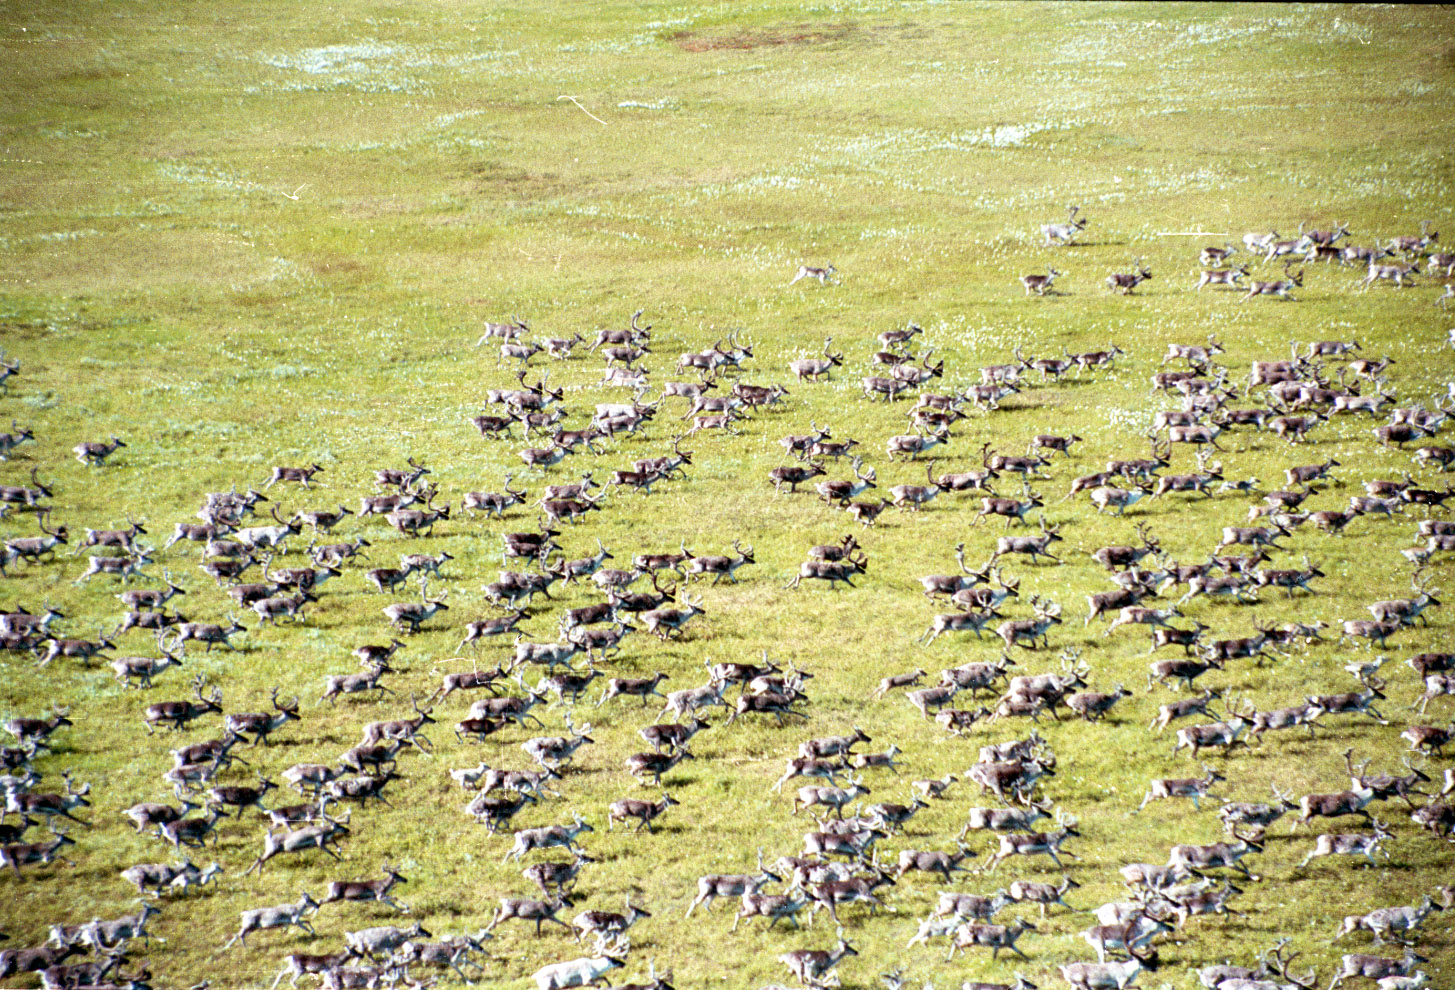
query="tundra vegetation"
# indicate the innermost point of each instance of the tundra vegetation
(296, 297)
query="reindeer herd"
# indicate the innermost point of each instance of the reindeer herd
(840, 870)
(1408, 252)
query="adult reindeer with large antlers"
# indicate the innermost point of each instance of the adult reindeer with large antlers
(1064, 233)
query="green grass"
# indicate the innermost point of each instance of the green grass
(244, 244)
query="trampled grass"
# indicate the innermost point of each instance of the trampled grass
(240, 243)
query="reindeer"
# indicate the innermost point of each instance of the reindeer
(774, 907)
(1174, 711)
(668, 466)
(191, 831)
(9, 441)
(636, 334)
(911, 445)
(1197, 356)
(986, 598)
(1064, 233)
(582, 972)
(1376, 967)
(1350, 845)
(824, 275)
(1215, 855)
(608, 925)
(1018, 776)
(22, 495)
(1033, 546)
(832, 893)
(381, 941)
(1407, 610)
(715, 885)
(368, 890)
(1436, 685)
(1125, 282)
(49, 805)
(161, 876)
(830, 797)
(1011, 509)
(720, 567)
(94, 454)
(1094, 705)
(493, 503)
(179, 713)
(242, 797)
(1139, 615)
(888, 388)
(994, 937)
(409, 616)
(940, 584)
(269, 609)
(1027, 631)
(975, 622)
(555, 874)
(1374, 631)
(831, 571)
(401, 730)
(842, 492)
(934, 862)
(1190, 787)
(262, 724)
(1213, 257)
(1225, 734)
(1398, 274)
(283, 916)
(1040, 285)
(1106, 602)
(814, 368)
(551, 836)
(1392, 919)
(813, 967)
(798, 445)
(1282, 288)
(504, 331)
(667, 623)
(689, 700)
(1130, 935)
(769, 701)
(34, 549)
(122, 539)
(1337, 805)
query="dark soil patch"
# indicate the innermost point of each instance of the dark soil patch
(799, 34)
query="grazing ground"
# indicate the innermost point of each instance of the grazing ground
(237, 244)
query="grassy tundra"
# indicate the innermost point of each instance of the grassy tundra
(241, 245)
